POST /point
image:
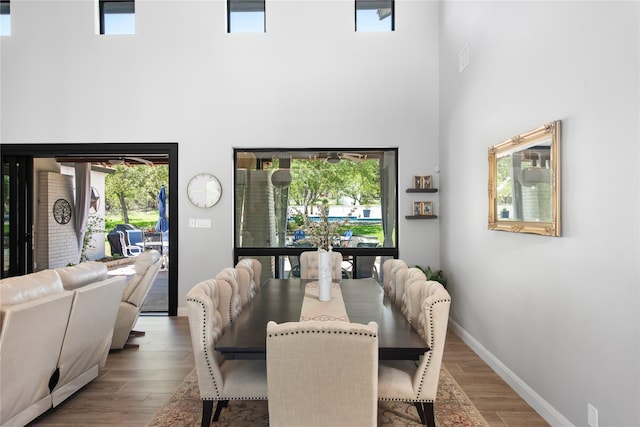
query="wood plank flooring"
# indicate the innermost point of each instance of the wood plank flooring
(135, 383)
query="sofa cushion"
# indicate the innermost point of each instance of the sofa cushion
(143, 261)
(82, 274)
(19, 289)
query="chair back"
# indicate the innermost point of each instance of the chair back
(389, 269)
(230, 305)
(405, 276)
(322, 373)
(146, 267)
(254, 267)
(205, 323)
(432, 320)
(366, 265)
(127, 249)
(310, 269)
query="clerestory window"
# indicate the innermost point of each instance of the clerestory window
(374, 15)
(5, 18)
(117, 17)
(246, 16)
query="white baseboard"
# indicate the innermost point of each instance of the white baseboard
(541, 406)
(183, 311)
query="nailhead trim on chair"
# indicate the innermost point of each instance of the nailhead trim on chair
(424, 372)
(323, 332)
(204, 346)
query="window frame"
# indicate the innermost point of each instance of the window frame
(276, 253)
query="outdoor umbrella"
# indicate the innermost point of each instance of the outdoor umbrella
(162, 224)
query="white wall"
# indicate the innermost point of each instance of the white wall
(559, 317)
(309, 81)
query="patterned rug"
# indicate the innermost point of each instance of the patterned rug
(184, 409)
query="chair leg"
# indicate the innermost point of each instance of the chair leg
(221, 404)
(418, 406)
(137, 333)
(207, 410)
(429, 414)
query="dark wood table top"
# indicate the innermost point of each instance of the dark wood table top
(280, 300)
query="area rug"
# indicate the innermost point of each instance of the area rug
(184, 409)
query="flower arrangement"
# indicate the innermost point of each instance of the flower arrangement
(323, 233)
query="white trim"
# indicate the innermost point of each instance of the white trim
(541, 406)
(183, 311)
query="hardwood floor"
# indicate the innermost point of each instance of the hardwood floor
(135, 383)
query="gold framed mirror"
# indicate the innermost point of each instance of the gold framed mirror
(524, 182)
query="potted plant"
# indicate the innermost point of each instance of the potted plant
(436, 276)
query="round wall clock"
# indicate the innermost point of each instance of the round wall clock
(62, 211)
(204, 190)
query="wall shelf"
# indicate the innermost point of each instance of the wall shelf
(421, 216)
(422, 190)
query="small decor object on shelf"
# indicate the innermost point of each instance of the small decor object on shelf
(62, 211)
(426, 208)
(417, 181)
(426, 182)
(417, 208)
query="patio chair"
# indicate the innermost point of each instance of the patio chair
(294, 260)
(127, 249)
(345, 240)
(366, 265)
(298, 235)
(322, 373)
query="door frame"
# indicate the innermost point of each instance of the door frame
(119, 149)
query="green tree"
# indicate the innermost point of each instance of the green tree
(311, 181)
(359, 181)
(134, 187)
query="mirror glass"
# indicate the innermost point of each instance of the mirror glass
(524, 182)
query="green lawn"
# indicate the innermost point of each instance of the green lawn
(142, 220)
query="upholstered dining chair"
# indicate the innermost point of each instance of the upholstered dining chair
(246, 289)
(146, 267)
(309, 268)
(230, 305)
(322, 373)
(404, 380)
(405, 276)
(219, 379)
(254, 268)
(389, 269)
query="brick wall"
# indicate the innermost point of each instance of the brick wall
(56, 245)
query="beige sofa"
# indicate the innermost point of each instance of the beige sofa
(53, 340)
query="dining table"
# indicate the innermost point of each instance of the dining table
(281, 300)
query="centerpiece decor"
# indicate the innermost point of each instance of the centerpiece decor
(322, 233)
